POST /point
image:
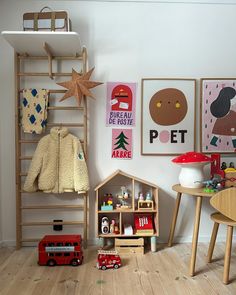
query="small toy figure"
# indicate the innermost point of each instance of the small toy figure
(223, 166)
(126, 195)
(116, 229)
(123, 198)
(112, 226)
(105, 225)
(141, 197)
(148, 197)
(231, 165)
(110, 200)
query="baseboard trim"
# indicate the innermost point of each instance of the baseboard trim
(178, 239)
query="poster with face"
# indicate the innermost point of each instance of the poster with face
(121, 144)
(218, 115)
(121, 99)
(168, 116)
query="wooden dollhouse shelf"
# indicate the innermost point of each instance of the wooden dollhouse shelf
(113, 189)
(127, 236)
(32, 43)
(127, 211)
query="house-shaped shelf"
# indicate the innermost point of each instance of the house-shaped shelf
(118, 198)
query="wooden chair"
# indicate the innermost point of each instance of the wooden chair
(225, 202)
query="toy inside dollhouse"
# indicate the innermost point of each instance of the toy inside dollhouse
(116, 195)
(122, 199)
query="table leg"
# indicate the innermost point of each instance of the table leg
(195, 235)
(174, 218)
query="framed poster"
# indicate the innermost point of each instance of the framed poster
(218, 115)
(168, 116)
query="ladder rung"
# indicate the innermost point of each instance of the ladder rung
(30, 240)
(80, 207)
(50, 91)
(24, 74)
(62, 124)
(23, 174)
(25, 158)
(37, 140)
(42, 192)
(39, 223)
(29, 140)
(65, 124)
(65, 108)
(55, 108)
(26, 56)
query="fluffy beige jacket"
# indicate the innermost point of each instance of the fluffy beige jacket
(58, 164)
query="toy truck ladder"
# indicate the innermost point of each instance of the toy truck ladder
(108, 252)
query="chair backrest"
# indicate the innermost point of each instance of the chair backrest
(225, 202)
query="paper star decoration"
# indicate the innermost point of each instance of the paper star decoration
(79, 86)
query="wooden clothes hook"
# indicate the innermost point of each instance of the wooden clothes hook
(49, 54)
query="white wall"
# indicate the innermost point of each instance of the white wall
(126, 42)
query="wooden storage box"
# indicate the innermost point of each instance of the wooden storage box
(129, 246)
(145, 205)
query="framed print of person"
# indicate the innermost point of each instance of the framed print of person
(168, 116)
(218, 115)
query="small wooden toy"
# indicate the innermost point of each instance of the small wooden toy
(129, 245)
(105, 225)
(148, 196)
(143, 223)
(112, 226)
(230, 175)
(123, 197)
(141, 197)
(116, 229)
(108, 205)
(108, 259)
(60, 250)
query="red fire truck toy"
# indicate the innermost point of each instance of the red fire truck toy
(60, 250)
(108, 259)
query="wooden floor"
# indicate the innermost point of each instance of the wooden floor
(163, 272)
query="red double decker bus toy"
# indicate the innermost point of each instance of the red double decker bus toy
(60, 250)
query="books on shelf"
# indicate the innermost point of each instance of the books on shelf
(143, 223)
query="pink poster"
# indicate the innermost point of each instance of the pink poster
(121, 99)
(122, 143)
(218, 115)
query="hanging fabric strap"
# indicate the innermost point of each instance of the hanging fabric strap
(36, 16)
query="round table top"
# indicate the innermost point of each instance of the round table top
(192, 191)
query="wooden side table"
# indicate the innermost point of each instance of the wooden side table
(198, 194)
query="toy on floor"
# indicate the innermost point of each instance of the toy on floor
(108, 259)
(60, 250)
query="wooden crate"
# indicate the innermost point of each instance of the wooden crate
(129, 246)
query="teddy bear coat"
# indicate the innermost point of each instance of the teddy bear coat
(58, 164)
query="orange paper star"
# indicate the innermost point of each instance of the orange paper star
(79, 86)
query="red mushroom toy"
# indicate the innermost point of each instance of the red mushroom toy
(191, 174)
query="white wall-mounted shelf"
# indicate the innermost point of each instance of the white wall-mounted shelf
(32, 43)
